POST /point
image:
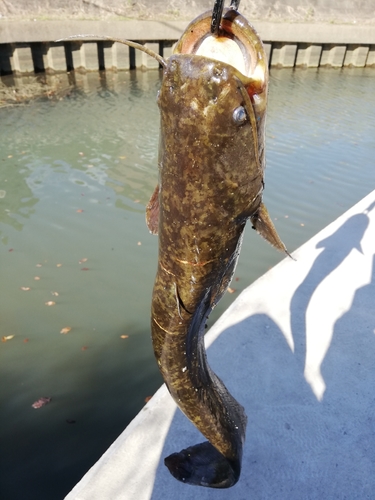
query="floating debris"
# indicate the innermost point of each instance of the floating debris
(56, 294)
(124, 336)
(36, 278)
(83, 260)
(79, 211)
(25, 288)
(50, 303)
(147, 399)
(6, 338)
(41, 402)
(58, 265)
(84, 269)
(231, 290)
(65, 330)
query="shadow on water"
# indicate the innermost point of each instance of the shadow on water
(297, 446)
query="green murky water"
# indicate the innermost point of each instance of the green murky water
(77, 167)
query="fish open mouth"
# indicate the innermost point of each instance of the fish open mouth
(237, 43)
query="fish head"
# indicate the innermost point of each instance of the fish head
(198, 89)
(237, 45)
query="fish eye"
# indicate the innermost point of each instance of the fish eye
(239, 115)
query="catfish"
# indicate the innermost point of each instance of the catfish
(211, 180)
(212, 101)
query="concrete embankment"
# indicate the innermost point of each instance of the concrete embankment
(308, 35)
(297, 349)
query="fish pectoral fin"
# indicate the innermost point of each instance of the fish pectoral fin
(152, 212)
(263, 225)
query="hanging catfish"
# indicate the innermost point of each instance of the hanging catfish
(211, 169)
(212, 102)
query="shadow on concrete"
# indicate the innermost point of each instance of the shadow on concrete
(297, 447)
(336, 249)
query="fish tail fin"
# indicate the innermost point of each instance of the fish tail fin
(263, 225)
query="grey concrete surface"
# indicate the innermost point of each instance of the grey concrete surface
(297, 349)
(342, 11)
(49, 30)
(29, 46)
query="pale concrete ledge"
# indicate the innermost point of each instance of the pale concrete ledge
(297, 349)
(48, 31)
(30, 46)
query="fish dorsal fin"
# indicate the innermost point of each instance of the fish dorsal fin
(263, 225)
(152, 212)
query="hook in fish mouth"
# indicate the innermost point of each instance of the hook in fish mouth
(217, 13)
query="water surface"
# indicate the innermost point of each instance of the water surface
(78, 166)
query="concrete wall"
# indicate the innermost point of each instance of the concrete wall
(293, 32)
(342, 11)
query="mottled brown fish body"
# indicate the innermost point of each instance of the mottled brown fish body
(211, 167)
(204, 204)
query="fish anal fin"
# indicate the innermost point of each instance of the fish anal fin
(152, 212)
(263, 225)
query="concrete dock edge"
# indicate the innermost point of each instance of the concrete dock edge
(297, 349)
(30, 46)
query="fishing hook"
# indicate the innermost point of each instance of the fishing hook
(217, 13)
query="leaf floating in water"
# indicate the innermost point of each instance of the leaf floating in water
(124, 336)
(65, 330)
(84, 269)
(83, 260)
(11, 250)
(25, 341)
(84, 348)
(147, 399)
(50, 303)
(6, 338)
(79, 211)
(231, 290)
(38, 265)
(25, 288)
(81, 154)
(41, 402)
(139, 243)
(58, 265)
(122, 157)
(56, 294)
(36, 278)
